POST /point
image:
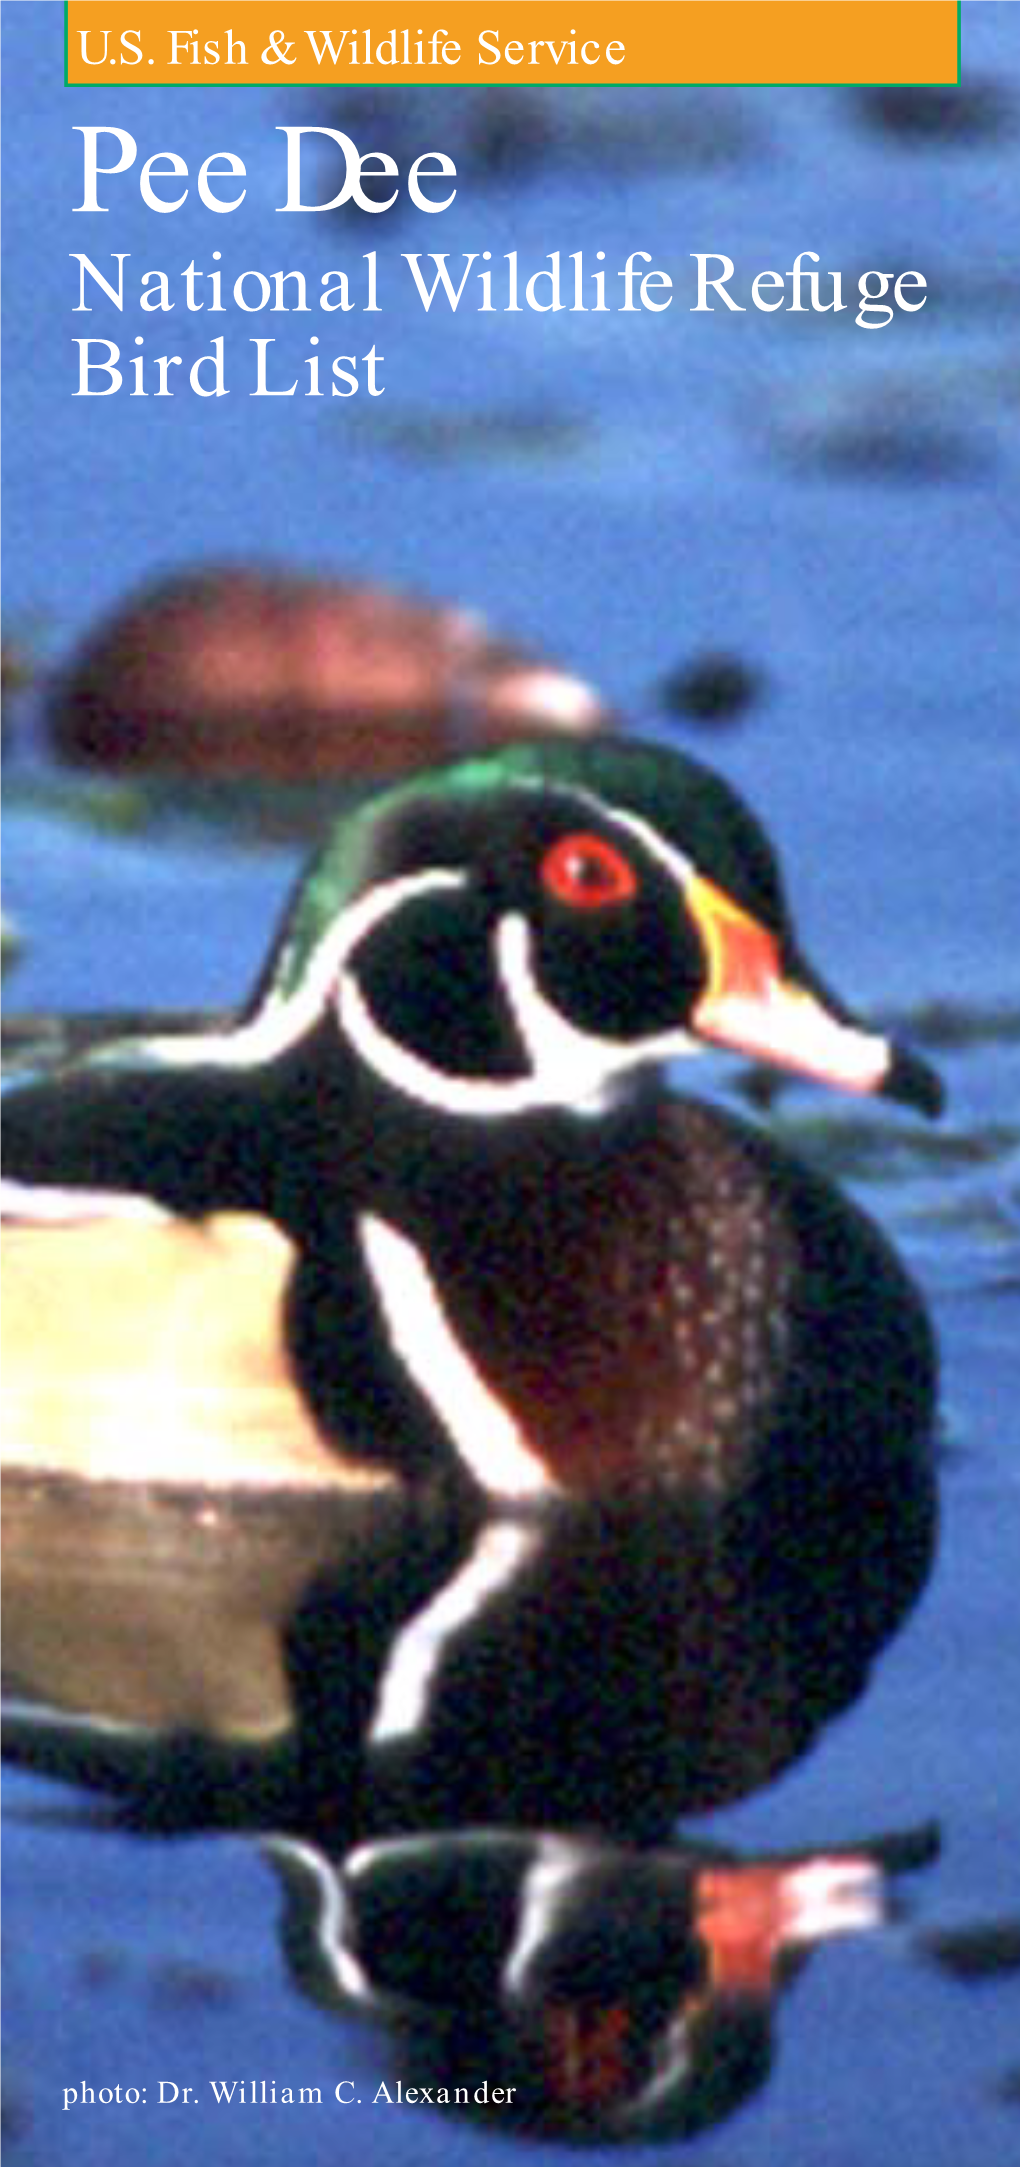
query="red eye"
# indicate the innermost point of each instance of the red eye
(588, 873)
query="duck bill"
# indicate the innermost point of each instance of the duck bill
(755, 1007)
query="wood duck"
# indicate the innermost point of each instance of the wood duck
(435, 1195)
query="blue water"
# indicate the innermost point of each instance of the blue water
(838, 506)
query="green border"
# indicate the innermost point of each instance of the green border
(696, 82)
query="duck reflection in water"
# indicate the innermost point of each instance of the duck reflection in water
(607, 1994)
(425, 1419)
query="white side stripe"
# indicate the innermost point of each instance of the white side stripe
(502, 1548)
(482, 1430)
(47, 1204)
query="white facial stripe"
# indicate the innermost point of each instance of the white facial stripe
(680, 868)
(483, 1431)
(284, 1017)
(501, 1549)
(568, 1067)
(479, 1097)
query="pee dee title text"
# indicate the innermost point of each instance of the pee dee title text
(581, 281)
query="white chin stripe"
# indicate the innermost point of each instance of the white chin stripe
(483, 1432)
(569, 1069)
(481, 1098)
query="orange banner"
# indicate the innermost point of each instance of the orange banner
(513, 41)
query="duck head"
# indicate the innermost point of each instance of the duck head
(534, 928)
